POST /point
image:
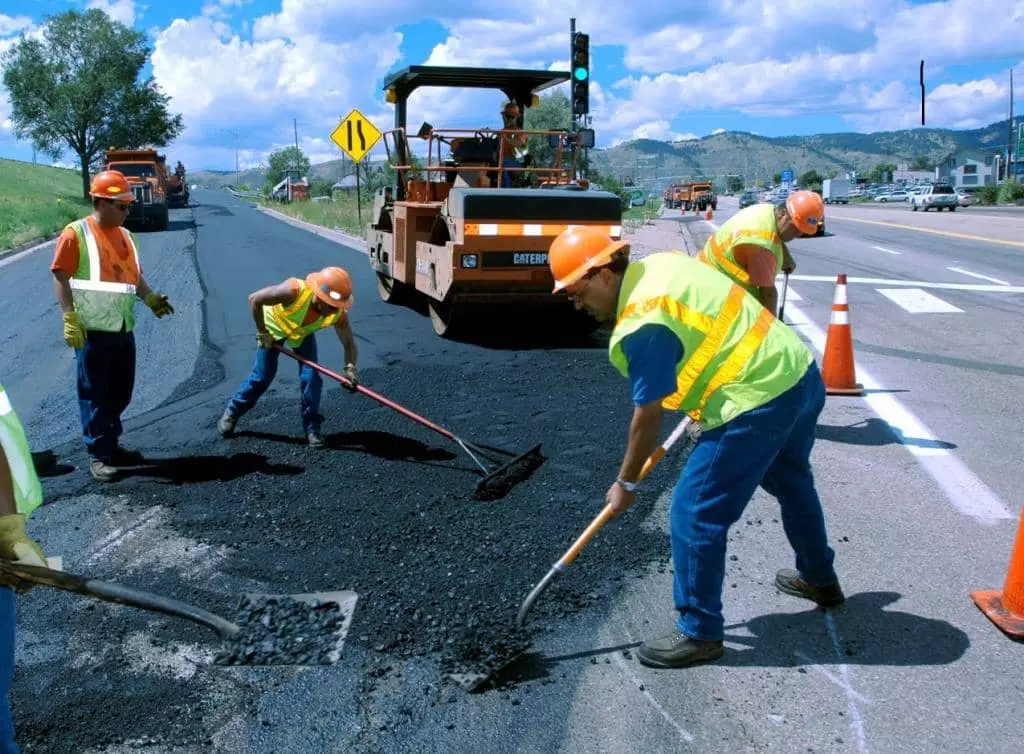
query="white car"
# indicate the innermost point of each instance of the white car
(936, 196)
(894, 196)
(964, 199)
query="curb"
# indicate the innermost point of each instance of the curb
(338, 236)
(32, 245)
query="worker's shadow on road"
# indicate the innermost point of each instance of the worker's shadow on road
(875, 431)
(859, 632)
(198, 469)
(372, 442)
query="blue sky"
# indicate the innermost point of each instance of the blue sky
(254, 69)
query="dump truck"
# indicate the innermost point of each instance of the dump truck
(702, 196)
(677, 195)
(147, 175)
(452, 232)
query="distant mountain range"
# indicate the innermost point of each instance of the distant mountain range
(654, 164)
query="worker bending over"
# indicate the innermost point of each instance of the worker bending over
(97, 278)
(290, 313)
(689, 340)
(750, 246)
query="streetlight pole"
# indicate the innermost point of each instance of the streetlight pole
(235, 134)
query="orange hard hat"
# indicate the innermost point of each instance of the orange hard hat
(576, 251)
(111, 184)
(333, 286)
(806, 209)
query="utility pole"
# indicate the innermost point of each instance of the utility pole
(1009, 131)
(295, 123)
(235, 135)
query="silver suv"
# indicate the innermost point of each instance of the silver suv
(936, 196)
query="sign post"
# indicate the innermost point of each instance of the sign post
(356, 136)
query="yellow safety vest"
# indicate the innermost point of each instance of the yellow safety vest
(285, 323)
(754, 225)
(737, 355)
(101, 304)
(28, 492)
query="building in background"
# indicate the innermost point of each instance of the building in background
(968, 169)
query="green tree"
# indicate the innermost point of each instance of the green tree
(281, 160)
(734, 183)
(79, 87)
(877, 173)
(777, 179)
(553, 112)
(923, 162)
(811, 179)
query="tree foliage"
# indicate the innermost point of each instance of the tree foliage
(79, 88)
(734, 183)
(281, 160)
(811, 179)
(877, 173)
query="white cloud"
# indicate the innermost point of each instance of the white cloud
(119, 10)
(13, 24)
(716, 131)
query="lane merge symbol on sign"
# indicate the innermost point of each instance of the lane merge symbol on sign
(356, 135)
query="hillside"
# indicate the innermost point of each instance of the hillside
(734, 152)
(36, 201)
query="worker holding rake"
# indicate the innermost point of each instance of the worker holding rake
(692, 341)
(292, 312)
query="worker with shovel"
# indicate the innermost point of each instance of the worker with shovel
(691, 340)
(293, 311)
(20, 494)
(750, 246)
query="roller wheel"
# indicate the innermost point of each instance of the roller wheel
(388, 288)
(441, 317)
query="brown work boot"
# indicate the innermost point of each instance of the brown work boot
(102, 471)
(676, 650)
(226, 425)
(791, 582)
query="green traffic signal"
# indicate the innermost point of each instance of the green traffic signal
(580, 74)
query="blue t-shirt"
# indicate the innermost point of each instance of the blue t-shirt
(652, 353)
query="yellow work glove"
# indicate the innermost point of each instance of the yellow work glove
(352, 376)
(159, 304)
(74, 332)
(16, 545)
(265, 339)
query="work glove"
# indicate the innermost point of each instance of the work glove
(16, 545)
(265, 339)
(74, 332)
(352, 376)
(159, 304)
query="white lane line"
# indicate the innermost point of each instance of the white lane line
(856, 721)
(887, 251)
(976, 275)
(915, 283)
(916, 301)
(962, 487)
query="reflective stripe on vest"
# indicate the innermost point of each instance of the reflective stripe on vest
(28, 492)
(737, 355)
(285, 323)
(753, 225)
(101, 304)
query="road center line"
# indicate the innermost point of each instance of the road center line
(962, 487)
(976, 275)
(887, 251)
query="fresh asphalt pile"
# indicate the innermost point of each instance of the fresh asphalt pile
(283, 631)
(386, 511)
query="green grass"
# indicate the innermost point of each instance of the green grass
(37, 201)
(340, 214)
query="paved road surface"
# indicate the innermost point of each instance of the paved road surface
(908, 663)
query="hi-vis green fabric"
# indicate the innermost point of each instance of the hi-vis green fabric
(737, 355)
(101, 304)
(753, 225)
(285, 323)
(28, 492)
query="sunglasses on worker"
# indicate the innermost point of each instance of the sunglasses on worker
(123, 206)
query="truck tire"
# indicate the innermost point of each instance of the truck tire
(162, 218)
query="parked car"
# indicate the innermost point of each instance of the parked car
(893, 196)
(747, 198)
(936, 196)
(964, 199)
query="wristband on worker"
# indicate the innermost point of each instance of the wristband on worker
(627, 486)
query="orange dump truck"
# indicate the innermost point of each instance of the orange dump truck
(147, 175)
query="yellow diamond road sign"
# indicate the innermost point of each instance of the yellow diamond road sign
(355, 135)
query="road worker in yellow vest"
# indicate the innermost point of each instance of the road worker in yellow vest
(691, 341)
(20, 494)
(750, 247)
(290, 313)
(97, 279)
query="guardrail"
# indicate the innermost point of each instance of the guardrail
(244, 194)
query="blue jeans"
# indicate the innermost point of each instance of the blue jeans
(105, 381)
(263, 372)
(769, 446)
(7, 744)
(506, 177)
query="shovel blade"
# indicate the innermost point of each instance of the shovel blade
(499, 482)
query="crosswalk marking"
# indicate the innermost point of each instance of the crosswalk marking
(918, 301)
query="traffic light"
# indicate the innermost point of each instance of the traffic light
(580, 73)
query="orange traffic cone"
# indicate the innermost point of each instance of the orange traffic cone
(837, 366)
(707, 216)
(1006, 608)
